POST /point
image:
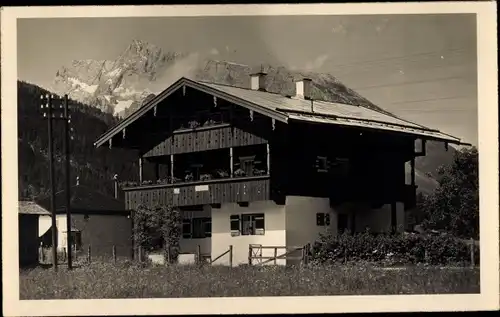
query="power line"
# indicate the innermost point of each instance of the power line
(432, 99)
(410, 82)
(398, 57)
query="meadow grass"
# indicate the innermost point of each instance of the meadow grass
(129, 280)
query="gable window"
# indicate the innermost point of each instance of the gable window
(322, 165)
(322, 219)
(247, 224)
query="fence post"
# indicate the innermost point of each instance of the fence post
(249, 254)
(472, 255)
(198, 254)
(114, 254)
(231, 255)
(64, 254)
(89, 254)
(139, 255)
(276, 254)
(303, 254)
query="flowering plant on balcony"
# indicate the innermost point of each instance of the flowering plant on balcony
(127, 184)
(193, 124)
(239, 173)
(147, 182)
(189, 177)
(220, 173)
(163, 181)
(205, 177)
(259, 172)
(209, 122)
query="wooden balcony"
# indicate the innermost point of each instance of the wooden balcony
(218, 191)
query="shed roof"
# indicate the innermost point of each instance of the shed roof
(31, 208)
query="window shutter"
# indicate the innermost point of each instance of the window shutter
(320, 219)
(259, 224)
(208, 227)
(186, 228)
(235, 225)
(327, 219)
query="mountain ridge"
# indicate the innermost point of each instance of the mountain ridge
(142, 70)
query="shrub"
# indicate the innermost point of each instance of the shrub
(392, 249)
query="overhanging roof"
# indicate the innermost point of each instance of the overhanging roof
(285, 108)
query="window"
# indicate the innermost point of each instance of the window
(76, 240)
(322, 219)
(322, 164)
(252, 224)
(197, 228)
(249, 224)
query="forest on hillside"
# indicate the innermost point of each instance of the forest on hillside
(94, 167)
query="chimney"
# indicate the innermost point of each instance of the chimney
(303, 88)
(258, 81)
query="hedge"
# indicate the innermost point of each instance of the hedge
(400, 248)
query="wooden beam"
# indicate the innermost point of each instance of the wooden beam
(268, 159)
(154, 110)
(140, 170)
(123, 131)
(412, 174)
(172, 168)
(215, 101)
(231, 164)
(273, 121)
(110, 143)
(183, 90)
(251, 115)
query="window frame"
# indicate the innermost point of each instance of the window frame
(257, 224)
(203, 231)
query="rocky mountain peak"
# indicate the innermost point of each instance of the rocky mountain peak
(119, 86)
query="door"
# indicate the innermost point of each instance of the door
(343, 223)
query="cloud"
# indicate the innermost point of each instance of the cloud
(317, 63)
(214, 51)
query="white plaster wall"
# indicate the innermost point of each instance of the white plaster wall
(45, 223)
(274, 233)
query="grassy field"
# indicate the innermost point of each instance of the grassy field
(127, 280)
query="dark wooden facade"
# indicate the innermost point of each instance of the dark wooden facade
(200, 193)
(359, 164)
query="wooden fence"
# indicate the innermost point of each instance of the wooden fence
(255, 253)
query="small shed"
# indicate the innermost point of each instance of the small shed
(97, 220)
(29, 214)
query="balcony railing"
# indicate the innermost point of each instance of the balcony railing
(214, 191)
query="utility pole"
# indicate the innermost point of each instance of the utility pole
(69, 232)
(49, 113)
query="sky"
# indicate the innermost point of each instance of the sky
(420, 67)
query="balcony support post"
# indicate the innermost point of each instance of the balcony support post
(268, 159)
(231, 165)
(140, 170)
(172, 168)
(412, 174)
